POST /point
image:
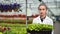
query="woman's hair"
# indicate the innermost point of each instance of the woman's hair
(42, 5)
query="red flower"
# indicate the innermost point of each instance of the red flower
(3, 29)
(8, 28)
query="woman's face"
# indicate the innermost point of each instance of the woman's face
(42, 10)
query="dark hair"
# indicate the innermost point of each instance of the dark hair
(42, 5)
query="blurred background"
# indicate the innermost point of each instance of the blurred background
(16, 14)
(16, 8)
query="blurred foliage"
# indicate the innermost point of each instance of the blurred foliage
(21, 28)
(15, 28)
(15, 21)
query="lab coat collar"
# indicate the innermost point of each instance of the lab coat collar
(43, 19)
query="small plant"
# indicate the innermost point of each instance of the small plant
(9, 32)
(3, 29)
(38, 27)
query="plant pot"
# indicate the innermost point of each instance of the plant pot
(39, 32)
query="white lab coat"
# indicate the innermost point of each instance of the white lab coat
(47, 20)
